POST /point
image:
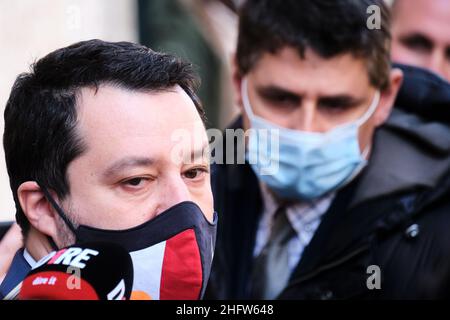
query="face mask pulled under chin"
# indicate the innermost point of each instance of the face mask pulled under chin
(172, 253)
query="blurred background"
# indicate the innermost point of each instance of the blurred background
(202, 31)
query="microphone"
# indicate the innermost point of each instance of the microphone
(89, 271)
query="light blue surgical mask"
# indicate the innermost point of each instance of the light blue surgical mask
(304, 165)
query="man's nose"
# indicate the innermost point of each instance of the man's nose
(172, 191)
(437, 62)
(308, 118)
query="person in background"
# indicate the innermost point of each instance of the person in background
(421, 34)
(351, 199)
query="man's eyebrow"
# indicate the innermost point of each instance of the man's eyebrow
(340, 100)
(199, 152)
(273, 91)
(125, 163)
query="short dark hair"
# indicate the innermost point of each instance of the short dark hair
(328, 27)
(41, 138)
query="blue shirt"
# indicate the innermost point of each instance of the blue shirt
(17, 271)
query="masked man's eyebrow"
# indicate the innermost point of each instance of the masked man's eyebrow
(273, 91)
(126, 163)
(343, 99)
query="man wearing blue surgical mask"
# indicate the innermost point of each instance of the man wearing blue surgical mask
(341, 195)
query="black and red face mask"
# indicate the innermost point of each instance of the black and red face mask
(172, 253)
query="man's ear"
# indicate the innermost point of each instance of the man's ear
(388, 97)
(37, 209)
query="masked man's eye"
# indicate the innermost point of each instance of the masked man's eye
(418, 43)
(279, 97)
(334, 109)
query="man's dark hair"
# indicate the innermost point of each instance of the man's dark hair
(41, 138)
(328, 27)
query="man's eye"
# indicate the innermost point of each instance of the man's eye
(135, 182)
(283, 100)
(195, 173)
(419, 44)
(334, 107)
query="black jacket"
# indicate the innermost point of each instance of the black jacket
(395, 215)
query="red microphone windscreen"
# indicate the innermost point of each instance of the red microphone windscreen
(91, 271)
